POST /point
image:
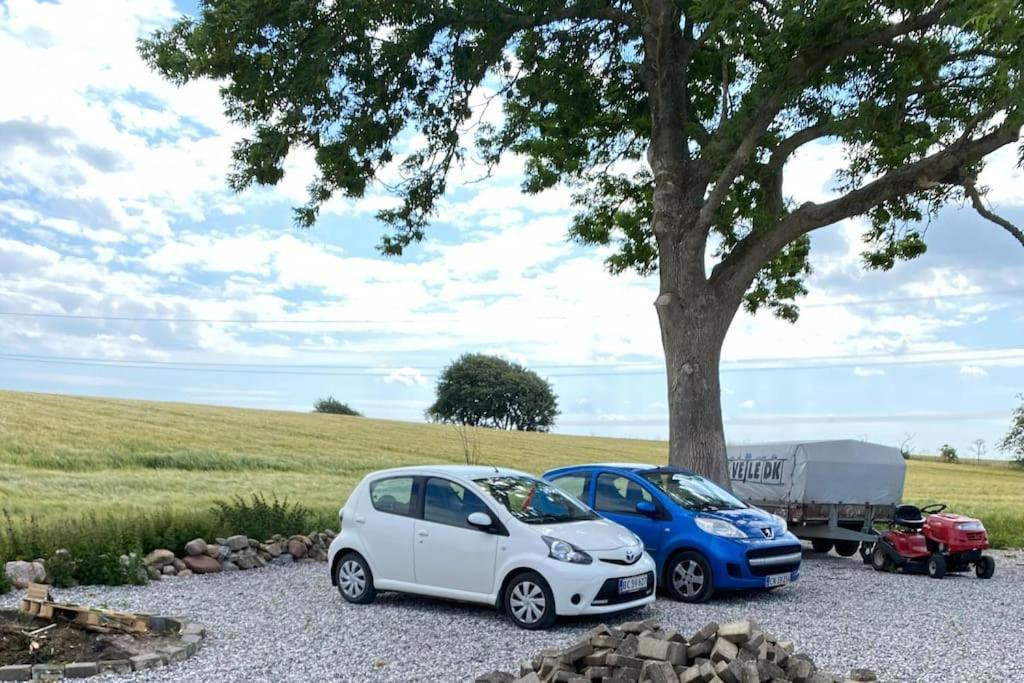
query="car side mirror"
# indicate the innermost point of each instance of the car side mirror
(646, 507)
(481, 520)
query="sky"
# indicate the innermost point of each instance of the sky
(129, 269)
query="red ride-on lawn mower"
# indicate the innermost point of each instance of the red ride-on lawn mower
(936, 544)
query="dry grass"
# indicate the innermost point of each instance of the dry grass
(61, 456)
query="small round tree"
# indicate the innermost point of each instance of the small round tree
(486, 391)
(335, 407)
(1013, 442)
(948, 454)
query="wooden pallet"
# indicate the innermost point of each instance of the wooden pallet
(37, 603)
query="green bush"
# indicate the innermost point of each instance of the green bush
(948, 454)
(335, 407)
(5, 583)
(63, 569)
(88, 549)
(262, 519)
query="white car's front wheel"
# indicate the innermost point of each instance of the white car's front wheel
(354, 579)
(529, 602)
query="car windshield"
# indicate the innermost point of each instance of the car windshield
(693, 492)
(533, 501)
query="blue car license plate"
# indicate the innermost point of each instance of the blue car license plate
(632, 584)
(776, 580)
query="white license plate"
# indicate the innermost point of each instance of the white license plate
(631, 584)
(776, 580)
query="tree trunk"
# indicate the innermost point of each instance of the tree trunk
(693, 328)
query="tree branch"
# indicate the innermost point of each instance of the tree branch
(985, 212)
(737, 270)
(798, 71)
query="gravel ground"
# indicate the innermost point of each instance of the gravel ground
(289, 624)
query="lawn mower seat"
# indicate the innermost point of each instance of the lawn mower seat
(909, 516)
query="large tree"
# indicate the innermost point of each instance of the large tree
(672, 120)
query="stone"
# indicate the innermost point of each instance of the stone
(80, 669)
(193, 629)
(282, 559)
(531, 677)
(168, 570)
(276, 548)
(118, 666)
(159, 558)
(301, 539)
(246, 561)
(860, 675)
(152, 572)
(191, 643)
(202, 564)
(496, 677)
(706, 632)
(736, 631)
(724, 650)
(690, 675)
(178, 564)
(196, 546)
(213, 550)
(236, 543)
(576, 652)
(767, 670)
(297, 549)
(658, 672)
(229, 566)
(173, 653)
(22, 573)
(150, 661)
(750, 673)
(47, 672)
(184, 573)
(16, 672)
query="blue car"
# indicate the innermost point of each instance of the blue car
(701, 537)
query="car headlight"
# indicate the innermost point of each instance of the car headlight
(719, 527)
(565, 551)
(783, 522)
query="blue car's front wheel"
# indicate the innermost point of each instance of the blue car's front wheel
(688, 577)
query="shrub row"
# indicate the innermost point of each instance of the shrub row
(92, 546)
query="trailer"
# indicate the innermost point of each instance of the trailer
(831, 493)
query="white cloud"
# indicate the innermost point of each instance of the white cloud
(868, 372)
(747, 405)
(408, 376)
(973, 371)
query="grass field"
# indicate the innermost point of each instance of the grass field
(61, 456)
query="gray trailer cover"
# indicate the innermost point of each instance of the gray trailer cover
(827, 472)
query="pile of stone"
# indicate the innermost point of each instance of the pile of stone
(641, 652)
(237, 553)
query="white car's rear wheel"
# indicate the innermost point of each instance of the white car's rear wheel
(354, 579)
(529, 602)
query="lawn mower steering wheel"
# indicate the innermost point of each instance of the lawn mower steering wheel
(934, 508)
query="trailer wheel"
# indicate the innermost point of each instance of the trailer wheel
(985, 567)
(821, 545)
(936, 566)
(846, 548)
(879, 560)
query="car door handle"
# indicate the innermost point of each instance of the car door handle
(422, 532)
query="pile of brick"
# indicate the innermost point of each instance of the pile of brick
(642, 652)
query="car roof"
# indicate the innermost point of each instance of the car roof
(628, 466)
(462, 471)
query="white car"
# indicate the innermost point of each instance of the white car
(486, 535)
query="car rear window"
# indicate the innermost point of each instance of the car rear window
(393, 495)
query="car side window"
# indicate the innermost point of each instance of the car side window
(393, 495)
(446, 502)
(616, 493)
(574, 484)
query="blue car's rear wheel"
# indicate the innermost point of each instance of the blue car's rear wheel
(688, 577)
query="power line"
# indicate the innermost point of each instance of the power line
(427, 317)
(637, 365)
(370, 371)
